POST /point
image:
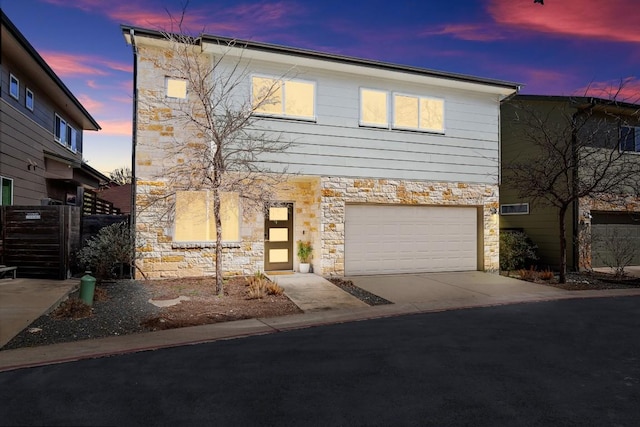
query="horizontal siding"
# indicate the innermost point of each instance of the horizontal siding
(335, 144)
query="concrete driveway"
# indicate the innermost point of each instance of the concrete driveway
(453, 289)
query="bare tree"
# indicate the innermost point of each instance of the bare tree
(571, 150)
(121, 175)
(219, 145)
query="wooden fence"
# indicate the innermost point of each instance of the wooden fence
(40, 240)
(93, 205)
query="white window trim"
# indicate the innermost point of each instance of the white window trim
(374, 125)
(29, 94)
(283, 115)
(11, 80)
(55, 131)
(514, 213)
(416, 129)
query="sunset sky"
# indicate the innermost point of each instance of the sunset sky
(564, 47)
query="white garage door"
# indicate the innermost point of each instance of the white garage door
(409, 239)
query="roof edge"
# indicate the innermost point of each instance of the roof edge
(313, 54)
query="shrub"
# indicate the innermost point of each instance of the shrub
(112, 245)
(516, 250)
(259, 285)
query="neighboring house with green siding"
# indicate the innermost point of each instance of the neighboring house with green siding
(590, 221)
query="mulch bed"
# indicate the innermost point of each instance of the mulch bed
(365, 296)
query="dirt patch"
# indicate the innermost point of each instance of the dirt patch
(581, 281)
(204, 307)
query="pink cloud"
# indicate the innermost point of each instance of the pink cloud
(70, 64)
(472, 32)
(624, 90)
(611, 20)
(116, 127)
(92, 105)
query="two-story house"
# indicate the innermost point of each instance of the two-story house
(610, 131)
(41, 129)
(395, 169)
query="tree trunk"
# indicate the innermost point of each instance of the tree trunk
(216, 213)
(563, 244)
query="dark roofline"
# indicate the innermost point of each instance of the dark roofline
(313, 54)
(43, 64)
(580, 100)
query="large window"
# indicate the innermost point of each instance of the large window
(72, 139)
(60, 131)
(194, 219)
(630, 139)
(14, 86)
(418, 113)
(6, 191)
(285, 98)
(374, 105)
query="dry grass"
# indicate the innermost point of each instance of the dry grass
(259, 286)
(533, 275)
(73, 308)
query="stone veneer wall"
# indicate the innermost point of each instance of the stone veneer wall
(337, 192)
(602, 203)
(159, 257)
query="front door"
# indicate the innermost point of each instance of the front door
(278, 237)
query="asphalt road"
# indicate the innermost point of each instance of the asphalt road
(573, 362)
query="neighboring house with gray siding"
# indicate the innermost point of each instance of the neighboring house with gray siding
(395, 169)
(592, 220)
(41, 129)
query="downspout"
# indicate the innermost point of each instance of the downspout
(132, 219)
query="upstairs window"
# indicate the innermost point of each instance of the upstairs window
(418, 113)
(630, 139)
(14, 86)
(515, 209)
(6, 191)
(29, 100)
(60, 131)
(194, 219)
(72, 139)
(284, 98)
(374, 106)
(176, 88)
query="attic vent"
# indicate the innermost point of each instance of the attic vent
(515, 209)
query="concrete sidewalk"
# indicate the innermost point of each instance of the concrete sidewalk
(24, 300)
(411, 294)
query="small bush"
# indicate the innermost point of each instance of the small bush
(547, 274)
(274, 289)
(259, 286)
(112, 245)
(516, 250)
(532, 274)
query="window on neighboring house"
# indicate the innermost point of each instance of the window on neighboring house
(72, 139)
(29, 100)
(60, 131)
(285, 98)
(374, 105)
(630, 139)
(14, 86)
(418, 113)
(194, 219)
(176, 88)
(6, 191)
(514, 209)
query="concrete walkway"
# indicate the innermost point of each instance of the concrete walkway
(418, 293)
(24, 300)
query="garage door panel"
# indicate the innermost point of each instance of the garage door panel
(404, 239)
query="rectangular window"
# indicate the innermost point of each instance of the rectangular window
(194, 219)
(29, 101)
(176, 88)
(60, 131)
(374, 106)
(14, 86)
(285, 98)
(6, 191)
(72, 137)
(515, 209)
(418, 113)
(630, 139)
